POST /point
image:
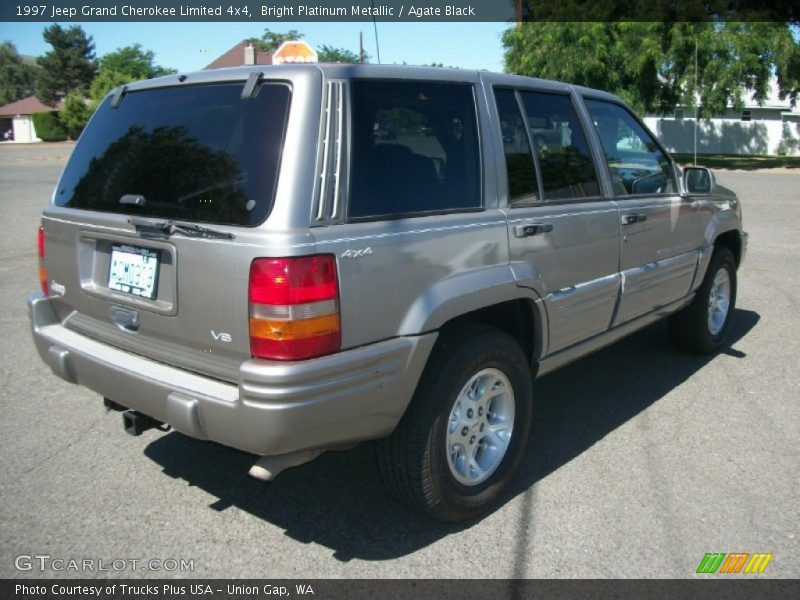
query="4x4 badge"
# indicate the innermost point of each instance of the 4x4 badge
(357, 253)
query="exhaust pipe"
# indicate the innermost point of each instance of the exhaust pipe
(135, 423)
(268, 467)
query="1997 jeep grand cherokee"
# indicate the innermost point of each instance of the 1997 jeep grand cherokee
(245, 255)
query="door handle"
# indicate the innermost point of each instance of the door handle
(529, 229)
(633, 218)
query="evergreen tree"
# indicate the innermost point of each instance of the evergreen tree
(69, 67)
(17, 77)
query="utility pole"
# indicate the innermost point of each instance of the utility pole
(375, 27)
(361, 47)
(695, 99)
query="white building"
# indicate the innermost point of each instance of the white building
(772, 128)
(16, 121)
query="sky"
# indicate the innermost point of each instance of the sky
(191, 46)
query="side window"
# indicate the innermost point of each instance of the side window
(522, 185)
(560, 145)
(415, 148)
(636, 163)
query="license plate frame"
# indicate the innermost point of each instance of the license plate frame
(141, 278)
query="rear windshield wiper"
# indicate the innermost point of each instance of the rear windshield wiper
(170, 227)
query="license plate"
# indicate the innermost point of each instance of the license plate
(134, 270)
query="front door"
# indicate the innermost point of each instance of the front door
(658, 227)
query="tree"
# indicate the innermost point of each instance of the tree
(651, 65)
(330, 54)
(74, 114)
(49, 127)
(69, 66)
(122, 66)
(270, 40)
(17, 77)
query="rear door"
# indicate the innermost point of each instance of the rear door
(659, 227)
(125, 257)
(558, 221)
(409, 224)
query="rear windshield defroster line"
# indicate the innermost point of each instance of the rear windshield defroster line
(195, 153)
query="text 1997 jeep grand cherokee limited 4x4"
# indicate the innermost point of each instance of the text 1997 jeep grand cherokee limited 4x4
(246, 256)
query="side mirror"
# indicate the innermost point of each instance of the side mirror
(698, 180)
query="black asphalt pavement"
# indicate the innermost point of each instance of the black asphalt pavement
(641, 459)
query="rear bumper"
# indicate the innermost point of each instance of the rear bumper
(277, 408)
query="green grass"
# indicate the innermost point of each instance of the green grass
(747, 163)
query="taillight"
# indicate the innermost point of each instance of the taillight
(40, 242)
(294, 307)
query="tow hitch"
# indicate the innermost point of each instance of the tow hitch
(136, 423)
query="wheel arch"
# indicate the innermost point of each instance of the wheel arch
(499, 296)
(523, 319)
(725, 230)
(731, 239)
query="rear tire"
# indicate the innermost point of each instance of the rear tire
(702, 327)
(464, 433)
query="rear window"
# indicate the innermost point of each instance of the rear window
(195, 153)
(415, 149)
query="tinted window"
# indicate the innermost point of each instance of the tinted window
(636, 163)
(197, 153)
(521, 171)
(560, 145)
(415, 148)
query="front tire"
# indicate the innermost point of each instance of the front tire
(702, 327)
(464, 434)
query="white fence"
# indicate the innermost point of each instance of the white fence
(728, 136)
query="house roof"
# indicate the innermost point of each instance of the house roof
(26, 106)
(235, 57)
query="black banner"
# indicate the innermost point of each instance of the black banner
(398, 10)
(353, 589)
(260, 10)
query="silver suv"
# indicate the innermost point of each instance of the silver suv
(295, 259)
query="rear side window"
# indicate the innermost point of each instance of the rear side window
(415, 149)
(522, 185)
(195, 153)
(636, 163)
(560, 144)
